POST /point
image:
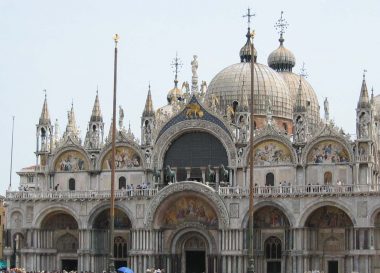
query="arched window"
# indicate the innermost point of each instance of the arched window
(71, 184)
(327, 178)
(285, 127)
(120, 247)
(269, 179)
(122, 183)
(273, 248)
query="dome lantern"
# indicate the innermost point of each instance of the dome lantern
(282, 59)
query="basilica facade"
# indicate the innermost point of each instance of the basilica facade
(182, 190)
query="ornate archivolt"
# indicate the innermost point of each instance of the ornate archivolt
(327, 150)
(97, 210)
(70, 159)
(186, 237)
(59, 208)
(271, 150)
(277, 208)
(311, 208)
(193, 189)
(126, 157)
(165, 140)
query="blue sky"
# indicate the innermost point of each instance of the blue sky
(66, 47)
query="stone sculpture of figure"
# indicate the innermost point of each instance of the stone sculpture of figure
(148, 154)
(194, 66)
(300, 129)
(326, 108)
(121, 116)
(147, 132)
(203, 87)
(363, 125)
(269, 107)
(185, 86)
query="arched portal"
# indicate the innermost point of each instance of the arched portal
(329, 230)
(192, 252)
(61, 231)
(271, 237)
(100, 237)
(192, 151)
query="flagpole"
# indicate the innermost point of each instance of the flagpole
(10, 170)
(111, 266)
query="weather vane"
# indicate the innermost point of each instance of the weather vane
(249, 15)
(176, 65)
(303, 72)
(281, 25)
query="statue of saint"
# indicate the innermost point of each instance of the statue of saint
(121, 116)
(194, 66)
(326, 108)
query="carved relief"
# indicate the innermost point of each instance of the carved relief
(234, 210)
(362, 209)
(140, 208)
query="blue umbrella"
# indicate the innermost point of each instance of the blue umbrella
(125, 270)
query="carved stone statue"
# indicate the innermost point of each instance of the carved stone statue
(299, 129)
(326, 108)
(121, 116)
(203, 87)
(363, 125)
(194, 66)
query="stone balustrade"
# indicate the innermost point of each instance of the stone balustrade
(267, 191)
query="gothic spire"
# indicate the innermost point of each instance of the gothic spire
(148, 110)
(71, 128)
(96, 112)
(44, 118)
(363, 99)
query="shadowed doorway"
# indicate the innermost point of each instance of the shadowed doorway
(69, 265)
(195, 261)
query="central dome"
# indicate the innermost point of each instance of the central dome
(234, 84)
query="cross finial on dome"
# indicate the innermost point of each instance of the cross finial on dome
(364, 73)
(176, 65)
(249, 15)
(281, 25)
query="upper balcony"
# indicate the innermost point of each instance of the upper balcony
(225, 192)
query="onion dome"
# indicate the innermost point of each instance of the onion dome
(174, 95)
(245, 51)
(309, 98)
(282, 59)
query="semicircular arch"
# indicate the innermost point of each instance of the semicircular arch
(271, 150)
(206, 192)
(327, 149)
(311, 208)
(127, 156)
(97, 210)
(165, 140)
(274, 204)
(37, 221)
(70, 159)
(185, 233)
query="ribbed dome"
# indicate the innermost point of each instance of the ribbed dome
(228, 86)
(282, 59)
(376, 100)
(309, 97)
